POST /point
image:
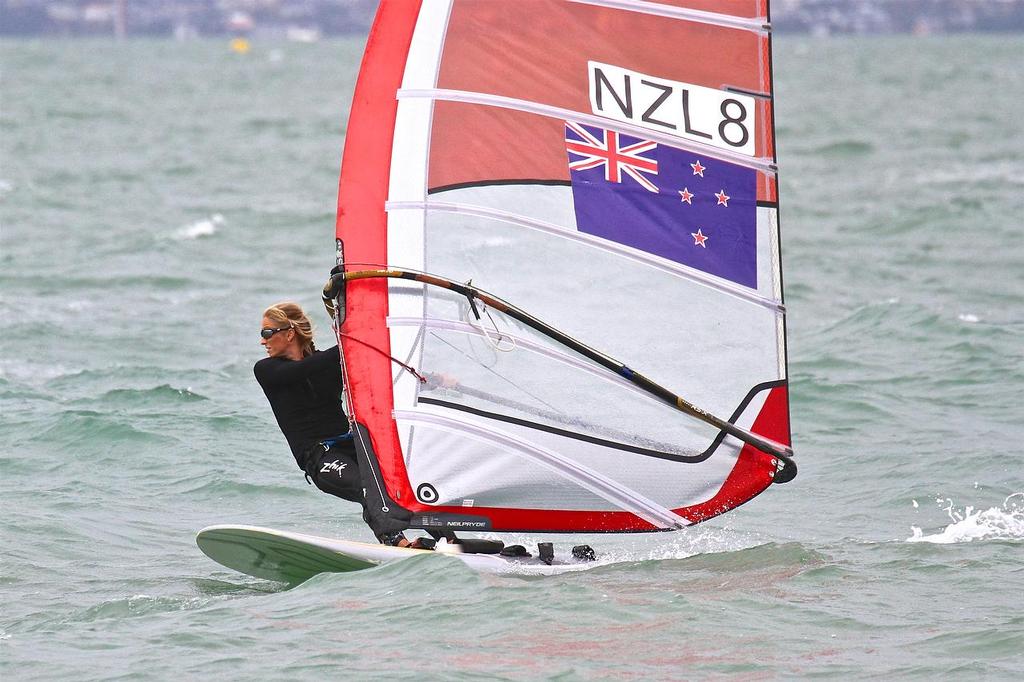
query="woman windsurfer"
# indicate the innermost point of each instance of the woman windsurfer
(304, 388)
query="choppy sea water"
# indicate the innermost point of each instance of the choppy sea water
(154, 197)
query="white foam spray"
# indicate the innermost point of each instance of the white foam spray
(996, 523)
(201, 228)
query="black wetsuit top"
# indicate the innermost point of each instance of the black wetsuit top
(306, 398)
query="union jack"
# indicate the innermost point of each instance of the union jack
(607, 152)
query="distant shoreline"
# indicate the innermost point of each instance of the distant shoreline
(313, 20)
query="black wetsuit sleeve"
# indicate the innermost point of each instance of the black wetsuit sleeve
(272, 372)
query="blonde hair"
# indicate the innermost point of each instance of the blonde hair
(289, 314)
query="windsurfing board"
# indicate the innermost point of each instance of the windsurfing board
(295, 557)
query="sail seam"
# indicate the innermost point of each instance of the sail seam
(757, 25)
(595, 242)
(757, 163)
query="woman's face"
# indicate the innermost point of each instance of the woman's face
(278, 344)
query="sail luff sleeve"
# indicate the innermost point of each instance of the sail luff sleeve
(362, 227)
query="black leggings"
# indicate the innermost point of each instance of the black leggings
(334, 469)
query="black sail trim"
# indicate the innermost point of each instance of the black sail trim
(575, 435)
(494, 183)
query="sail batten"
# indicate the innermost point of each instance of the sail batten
(757, 24)
(567, 233)
(607, 169)
(526, 106)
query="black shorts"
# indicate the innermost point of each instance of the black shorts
(335, 470)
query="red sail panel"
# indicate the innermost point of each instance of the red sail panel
(531, 147)
(754, 469)
(555, 73)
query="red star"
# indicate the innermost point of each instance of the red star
(697, 168)
(699, 238)
(687, 196)
(723, 198)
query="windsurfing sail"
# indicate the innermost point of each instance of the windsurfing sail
(606, 170)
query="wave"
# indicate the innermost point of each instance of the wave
(62, 379)
(136, 606)
(958, 339)
(995, 523)
(85, 429)
(201, 228)
(220, 487)
(767, 556)
(104, 283)
(85, 114)
(981, 175)
(136, 397)
(846, 148)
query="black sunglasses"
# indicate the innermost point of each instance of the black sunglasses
(267, 333)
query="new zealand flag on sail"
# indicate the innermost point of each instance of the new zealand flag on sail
(692, 209)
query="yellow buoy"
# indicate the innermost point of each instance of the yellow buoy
(239, 45)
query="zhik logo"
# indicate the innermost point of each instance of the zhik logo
(336, 465)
